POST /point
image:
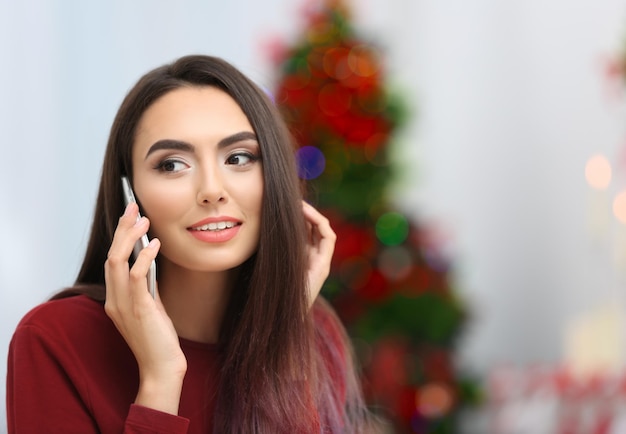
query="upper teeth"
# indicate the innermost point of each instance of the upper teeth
(218, 226)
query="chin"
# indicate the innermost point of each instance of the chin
(214, 263)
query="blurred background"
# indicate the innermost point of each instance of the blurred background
(483, 171)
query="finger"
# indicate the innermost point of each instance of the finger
(315, 218)
(310, 212)
(321, 235)
(139, 271)
(128, 225)
(128, 231)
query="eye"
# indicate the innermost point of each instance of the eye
(171, 166)
(241, 158)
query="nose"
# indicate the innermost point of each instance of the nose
(211, 187)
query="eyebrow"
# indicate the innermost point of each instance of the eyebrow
(180, 145)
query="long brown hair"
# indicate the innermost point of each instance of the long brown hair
(279, 373)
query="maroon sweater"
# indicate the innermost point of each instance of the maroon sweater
(70, 371)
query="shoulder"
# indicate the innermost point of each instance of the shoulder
(63, 312)
(77, 319)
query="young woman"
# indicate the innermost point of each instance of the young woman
(236, 339)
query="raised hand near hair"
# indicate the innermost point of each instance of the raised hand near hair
(142, 320)
(320, 249)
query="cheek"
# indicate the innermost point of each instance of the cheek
(161, 207)
(250, 195)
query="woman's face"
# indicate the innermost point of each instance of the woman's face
(198, 176)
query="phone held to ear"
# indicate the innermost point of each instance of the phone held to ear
(141, 244)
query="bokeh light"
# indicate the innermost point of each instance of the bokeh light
(434, 400)
(395, 262)
(392, 228)
(598, 172)
(363, 60)
(335, 63)
(311, 162)
(619, 207)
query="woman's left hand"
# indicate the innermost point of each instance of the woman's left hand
(320, 249)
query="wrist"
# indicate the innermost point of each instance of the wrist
(161, 393)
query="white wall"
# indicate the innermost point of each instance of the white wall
(511, 101)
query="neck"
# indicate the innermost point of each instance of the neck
(195, 301)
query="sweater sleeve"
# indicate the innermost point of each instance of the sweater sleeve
(143, 420)
(48, 390)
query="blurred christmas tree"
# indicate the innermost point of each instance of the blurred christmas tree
(388, 283)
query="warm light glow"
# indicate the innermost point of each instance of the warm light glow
(619, 207)
(434, 400)
(335, 63)
(598, 172)
(363, 60)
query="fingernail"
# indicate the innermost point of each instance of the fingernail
(153, 243)
(127, 210)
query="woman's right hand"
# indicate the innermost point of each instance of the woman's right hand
(142, 320)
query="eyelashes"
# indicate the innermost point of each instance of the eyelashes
(239, 159)
(171, 165)
(242, 158)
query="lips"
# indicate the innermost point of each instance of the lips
(217, 226)
(215, 229)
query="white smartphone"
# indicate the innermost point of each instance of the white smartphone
(141, 244)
